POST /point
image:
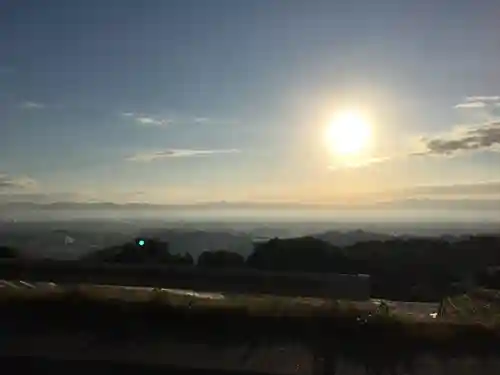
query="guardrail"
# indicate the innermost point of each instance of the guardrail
(238, 281)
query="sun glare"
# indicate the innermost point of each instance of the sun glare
(349, 133)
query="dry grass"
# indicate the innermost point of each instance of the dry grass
(480, 306)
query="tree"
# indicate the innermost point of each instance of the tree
(8, 252)
(220, 259)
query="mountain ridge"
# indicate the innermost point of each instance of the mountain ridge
(410, 203)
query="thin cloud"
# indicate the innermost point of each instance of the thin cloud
(484, 135)
(360, 164)
(471, 105)
(476, 102)
(40, 198)
(8, 182)
(480, 137)
(150, 120)
(213, 121)
(146, 120)
(201, 120)
(32, 105)
(177, 153)
(477, 188)
(494, 98)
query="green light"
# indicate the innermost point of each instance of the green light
(141, 242)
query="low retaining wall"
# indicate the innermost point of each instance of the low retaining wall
(241, 281)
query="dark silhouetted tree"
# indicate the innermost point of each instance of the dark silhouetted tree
(8, 252)
(143, 251)
(221, 259)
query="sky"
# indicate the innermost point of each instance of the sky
(186, 101)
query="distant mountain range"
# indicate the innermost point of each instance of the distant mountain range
(36, 242)
(417, 203)
(349, 238)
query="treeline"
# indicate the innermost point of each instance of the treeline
(401, 269)
(8, 253)
(412, 269)
(149, 251)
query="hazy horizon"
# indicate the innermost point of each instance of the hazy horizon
(289, 215)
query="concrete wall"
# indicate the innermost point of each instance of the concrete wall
(244, 281)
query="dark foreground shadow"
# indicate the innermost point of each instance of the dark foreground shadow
(36, 366)
(377, 344)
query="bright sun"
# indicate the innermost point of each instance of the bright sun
(349, 133)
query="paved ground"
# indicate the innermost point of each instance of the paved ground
(419, 310)
(287, 359)
(20, 284)
(290, 358)
(229, 280)
(409, 309)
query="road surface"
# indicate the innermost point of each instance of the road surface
(417, 310)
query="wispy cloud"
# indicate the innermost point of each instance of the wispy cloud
(177, 153)
(360, 164)
(477, 188)
(32, 105)
(10, 182)
(473, 102)
(468, 105)
(479, 137)
(146, 120)
(211, 121)
(201, 120)
(482, 135)
(494, 98)
(175, 119)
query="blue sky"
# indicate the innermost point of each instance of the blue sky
(187, 101)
